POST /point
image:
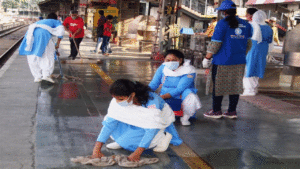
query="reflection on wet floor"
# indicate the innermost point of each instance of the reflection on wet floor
(69, 116)
(281, 83)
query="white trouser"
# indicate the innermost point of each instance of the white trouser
(191, 104)
(99, 43)
(250, 85)
(42, 67)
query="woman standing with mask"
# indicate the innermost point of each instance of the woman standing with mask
(178, 84)
(137, 119)
(228, 48)
(256, 58)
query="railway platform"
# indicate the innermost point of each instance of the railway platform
(43, 126)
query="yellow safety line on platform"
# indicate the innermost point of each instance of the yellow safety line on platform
(183, 151)
(103, 75)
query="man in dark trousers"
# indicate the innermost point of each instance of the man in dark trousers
(74, 25)
(101, 22)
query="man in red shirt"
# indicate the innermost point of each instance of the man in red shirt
(107, 30)
(74, 25)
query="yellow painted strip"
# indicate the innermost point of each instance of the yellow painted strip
(103, 75)
(190, 157)
(183, 151)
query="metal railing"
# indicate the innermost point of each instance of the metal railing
(7, 26)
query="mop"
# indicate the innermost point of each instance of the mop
(81, 61)
(61, 74)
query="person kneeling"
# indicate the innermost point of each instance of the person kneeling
(177, 80)
(137, 119)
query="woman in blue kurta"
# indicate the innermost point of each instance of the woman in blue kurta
(256, 57)
(137, 119)
(39, 46)
(177, 78)
(228, 48)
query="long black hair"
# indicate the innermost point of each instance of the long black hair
(52, 16)
(176, 53)
(124, 87)
(231, 19)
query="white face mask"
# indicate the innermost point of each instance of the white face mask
(172, 65)
(74, 17)
(125, 102)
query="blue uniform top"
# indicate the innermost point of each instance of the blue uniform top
(175, 85)
(41, 38)
(130, 137)
(256, 57)
(234, 42)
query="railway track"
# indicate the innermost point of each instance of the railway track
(9, 41)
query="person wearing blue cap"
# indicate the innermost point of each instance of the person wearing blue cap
(228, 47)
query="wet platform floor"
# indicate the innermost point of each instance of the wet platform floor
(64, 121)
(69, 116)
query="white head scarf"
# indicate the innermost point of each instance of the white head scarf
(258, 19)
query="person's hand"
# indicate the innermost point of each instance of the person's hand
(98, 155)
(134, 157)
(73, 36)
(206, 63)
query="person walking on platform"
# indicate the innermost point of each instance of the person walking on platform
(108, 28)
(275, 30)
(228, 48)
(100, 28)
(39, 46)
(74, 25)
(257, 57)
(137, 119)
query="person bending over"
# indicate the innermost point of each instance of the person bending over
(137, 119)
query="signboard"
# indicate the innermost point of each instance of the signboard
(83, 3)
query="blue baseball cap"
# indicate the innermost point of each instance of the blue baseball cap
(227, 4)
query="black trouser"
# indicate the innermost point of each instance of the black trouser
(74, 51)
(217, 100)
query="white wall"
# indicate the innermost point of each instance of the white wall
(184, 21)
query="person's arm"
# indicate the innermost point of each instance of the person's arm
(58, 43)
(75, 33)
(185, 81)
(97, 150)
(66, 25)
(156, 80)
(145, 143)
(216, 40)
(109, 126)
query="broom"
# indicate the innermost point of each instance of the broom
(61, 74)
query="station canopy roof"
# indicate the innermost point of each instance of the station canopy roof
(266, 2)
(48, 6)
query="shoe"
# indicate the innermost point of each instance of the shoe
(231, 115)
(185, 120)
(212, 114)
(48, 79)
(113, 146)
(164, 144)
(248, 94)
(69, 56)
(73, 58)
(37, 80)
